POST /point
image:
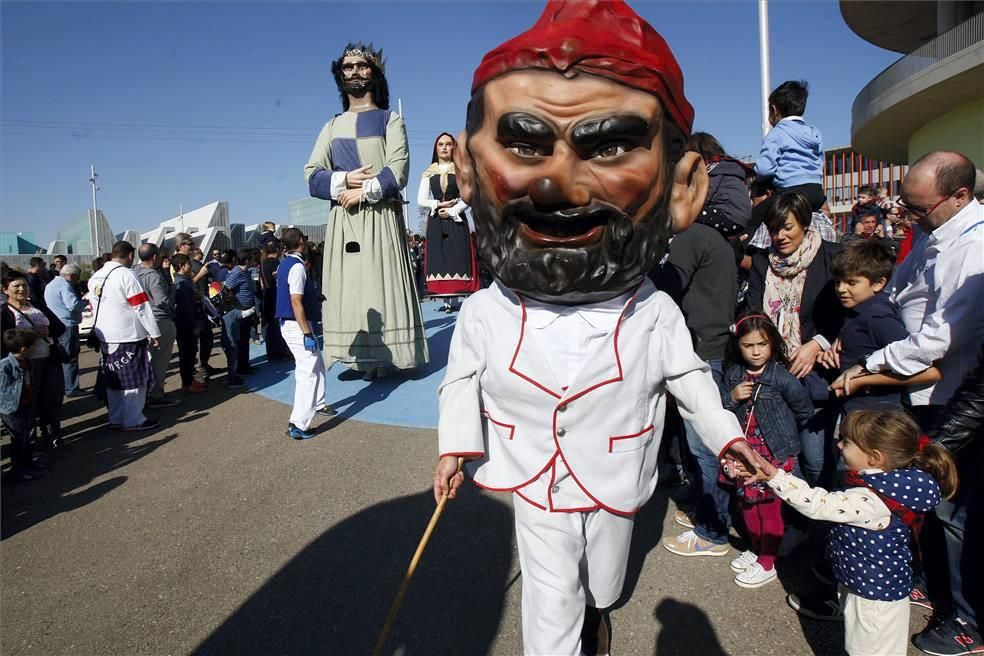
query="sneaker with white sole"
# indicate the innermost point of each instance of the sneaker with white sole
(755, 576)
(684, 519)
(690, 544)
(742, 562)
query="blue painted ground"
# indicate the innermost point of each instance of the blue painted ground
(405, 398)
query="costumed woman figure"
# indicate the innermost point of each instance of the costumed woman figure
(450, 267)
(372, 313)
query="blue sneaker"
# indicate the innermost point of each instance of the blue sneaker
(298, 434)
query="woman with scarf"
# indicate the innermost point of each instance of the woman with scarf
(450, 266)
(792, 284)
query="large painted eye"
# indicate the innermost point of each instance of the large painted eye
(524, 150)
(611, 150)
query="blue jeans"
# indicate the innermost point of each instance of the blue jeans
(712, 521)
(818, 460)
(961, 522)
(70, 342)
(231, 322)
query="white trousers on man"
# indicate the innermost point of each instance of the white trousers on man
(568, 560)
(872, 627)
(126, 406)
(309, 377)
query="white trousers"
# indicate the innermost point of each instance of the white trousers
(568, 560)
(309, 377)
(874, 628)
(126, 406)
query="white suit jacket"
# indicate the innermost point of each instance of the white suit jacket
(500, 402)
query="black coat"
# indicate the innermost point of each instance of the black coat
(960, 427)
(820, 311)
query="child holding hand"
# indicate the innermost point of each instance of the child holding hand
(772, 406)
(895, 476)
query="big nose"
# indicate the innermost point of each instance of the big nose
(550, 193)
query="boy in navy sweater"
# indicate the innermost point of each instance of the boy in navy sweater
(861, 271)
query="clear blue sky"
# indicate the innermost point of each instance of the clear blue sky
(198, 102)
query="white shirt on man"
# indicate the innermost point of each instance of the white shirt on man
(940, 291)
(121, 306)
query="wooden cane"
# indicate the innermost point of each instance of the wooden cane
(395, 608)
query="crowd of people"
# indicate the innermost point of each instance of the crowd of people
(851, 342)
(846, 356)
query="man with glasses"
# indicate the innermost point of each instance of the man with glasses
(939, 289)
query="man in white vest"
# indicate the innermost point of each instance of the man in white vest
(575, 166)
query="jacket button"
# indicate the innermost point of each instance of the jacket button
(561, 432)
(555, 489)
(562, 408)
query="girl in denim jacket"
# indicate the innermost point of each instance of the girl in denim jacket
(771, 405)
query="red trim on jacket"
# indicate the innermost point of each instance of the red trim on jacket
(463, 454)
(511, 427)
(529, 500)
(616, 438)
(519, 345)
(728, 446)
(137, 299)
(521, 485)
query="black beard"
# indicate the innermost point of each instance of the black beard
(611, 266)
(357, 87)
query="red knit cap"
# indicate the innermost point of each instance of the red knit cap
(600, 37)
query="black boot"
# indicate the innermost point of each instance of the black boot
(596, 632)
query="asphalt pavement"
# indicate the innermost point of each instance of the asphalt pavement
(216, 534)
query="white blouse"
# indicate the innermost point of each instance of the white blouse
(425, 199)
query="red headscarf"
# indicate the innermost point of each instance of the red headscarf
(599, 37)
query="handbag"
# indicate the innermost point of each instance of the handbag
(92, 340)
(55, 348)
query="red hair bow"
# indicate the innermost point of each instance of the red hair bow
(924, 441)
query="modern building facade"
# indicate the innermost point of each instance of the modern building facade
(845, 170)
(933, 97)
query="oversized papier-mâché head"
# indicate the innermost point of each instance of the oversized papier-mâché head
(359, 72)
(574, 158)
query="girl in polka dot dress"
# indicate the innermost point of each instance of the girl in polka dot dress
(894, 478)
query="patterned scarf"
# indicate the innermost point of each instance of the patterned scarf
(784, 287)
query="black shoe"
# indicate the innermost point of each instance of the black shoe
(247, 371)
(918, 597)
(162, 402)
(817, 607)
(950, 637)
(236, 383)
(596, 633)
(148, 424)
(326, 411)
(211, 371)
(27, 474)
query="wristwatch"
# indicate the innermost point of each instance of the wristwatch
(863, 361)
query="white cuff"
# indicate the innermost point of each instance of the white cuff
(337, 184)
(372, 191)
(822, 341)
(876, 362)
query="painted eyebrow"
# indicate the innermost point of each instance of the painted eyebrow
(610, 128)
(520, 125)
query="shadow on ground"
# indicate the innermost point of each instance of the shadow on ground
(333, 597)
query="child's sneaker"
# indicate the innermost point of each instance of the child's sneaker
(949, 637)
(755, 576)
(689, 544)
(744, 561)
(918, 597)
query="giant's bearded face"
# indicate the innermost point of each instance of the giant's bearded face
(572, 180)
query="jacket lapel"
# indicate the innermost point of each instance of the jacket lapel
(603, 366)
(529, 363)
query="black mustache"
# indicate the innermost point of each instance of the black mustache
(574, 217)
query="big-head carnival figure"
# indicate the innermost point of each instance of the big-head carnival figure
(574, 163)
(372, 313)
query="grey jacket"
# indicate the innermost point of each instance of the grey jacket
(160, 290)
